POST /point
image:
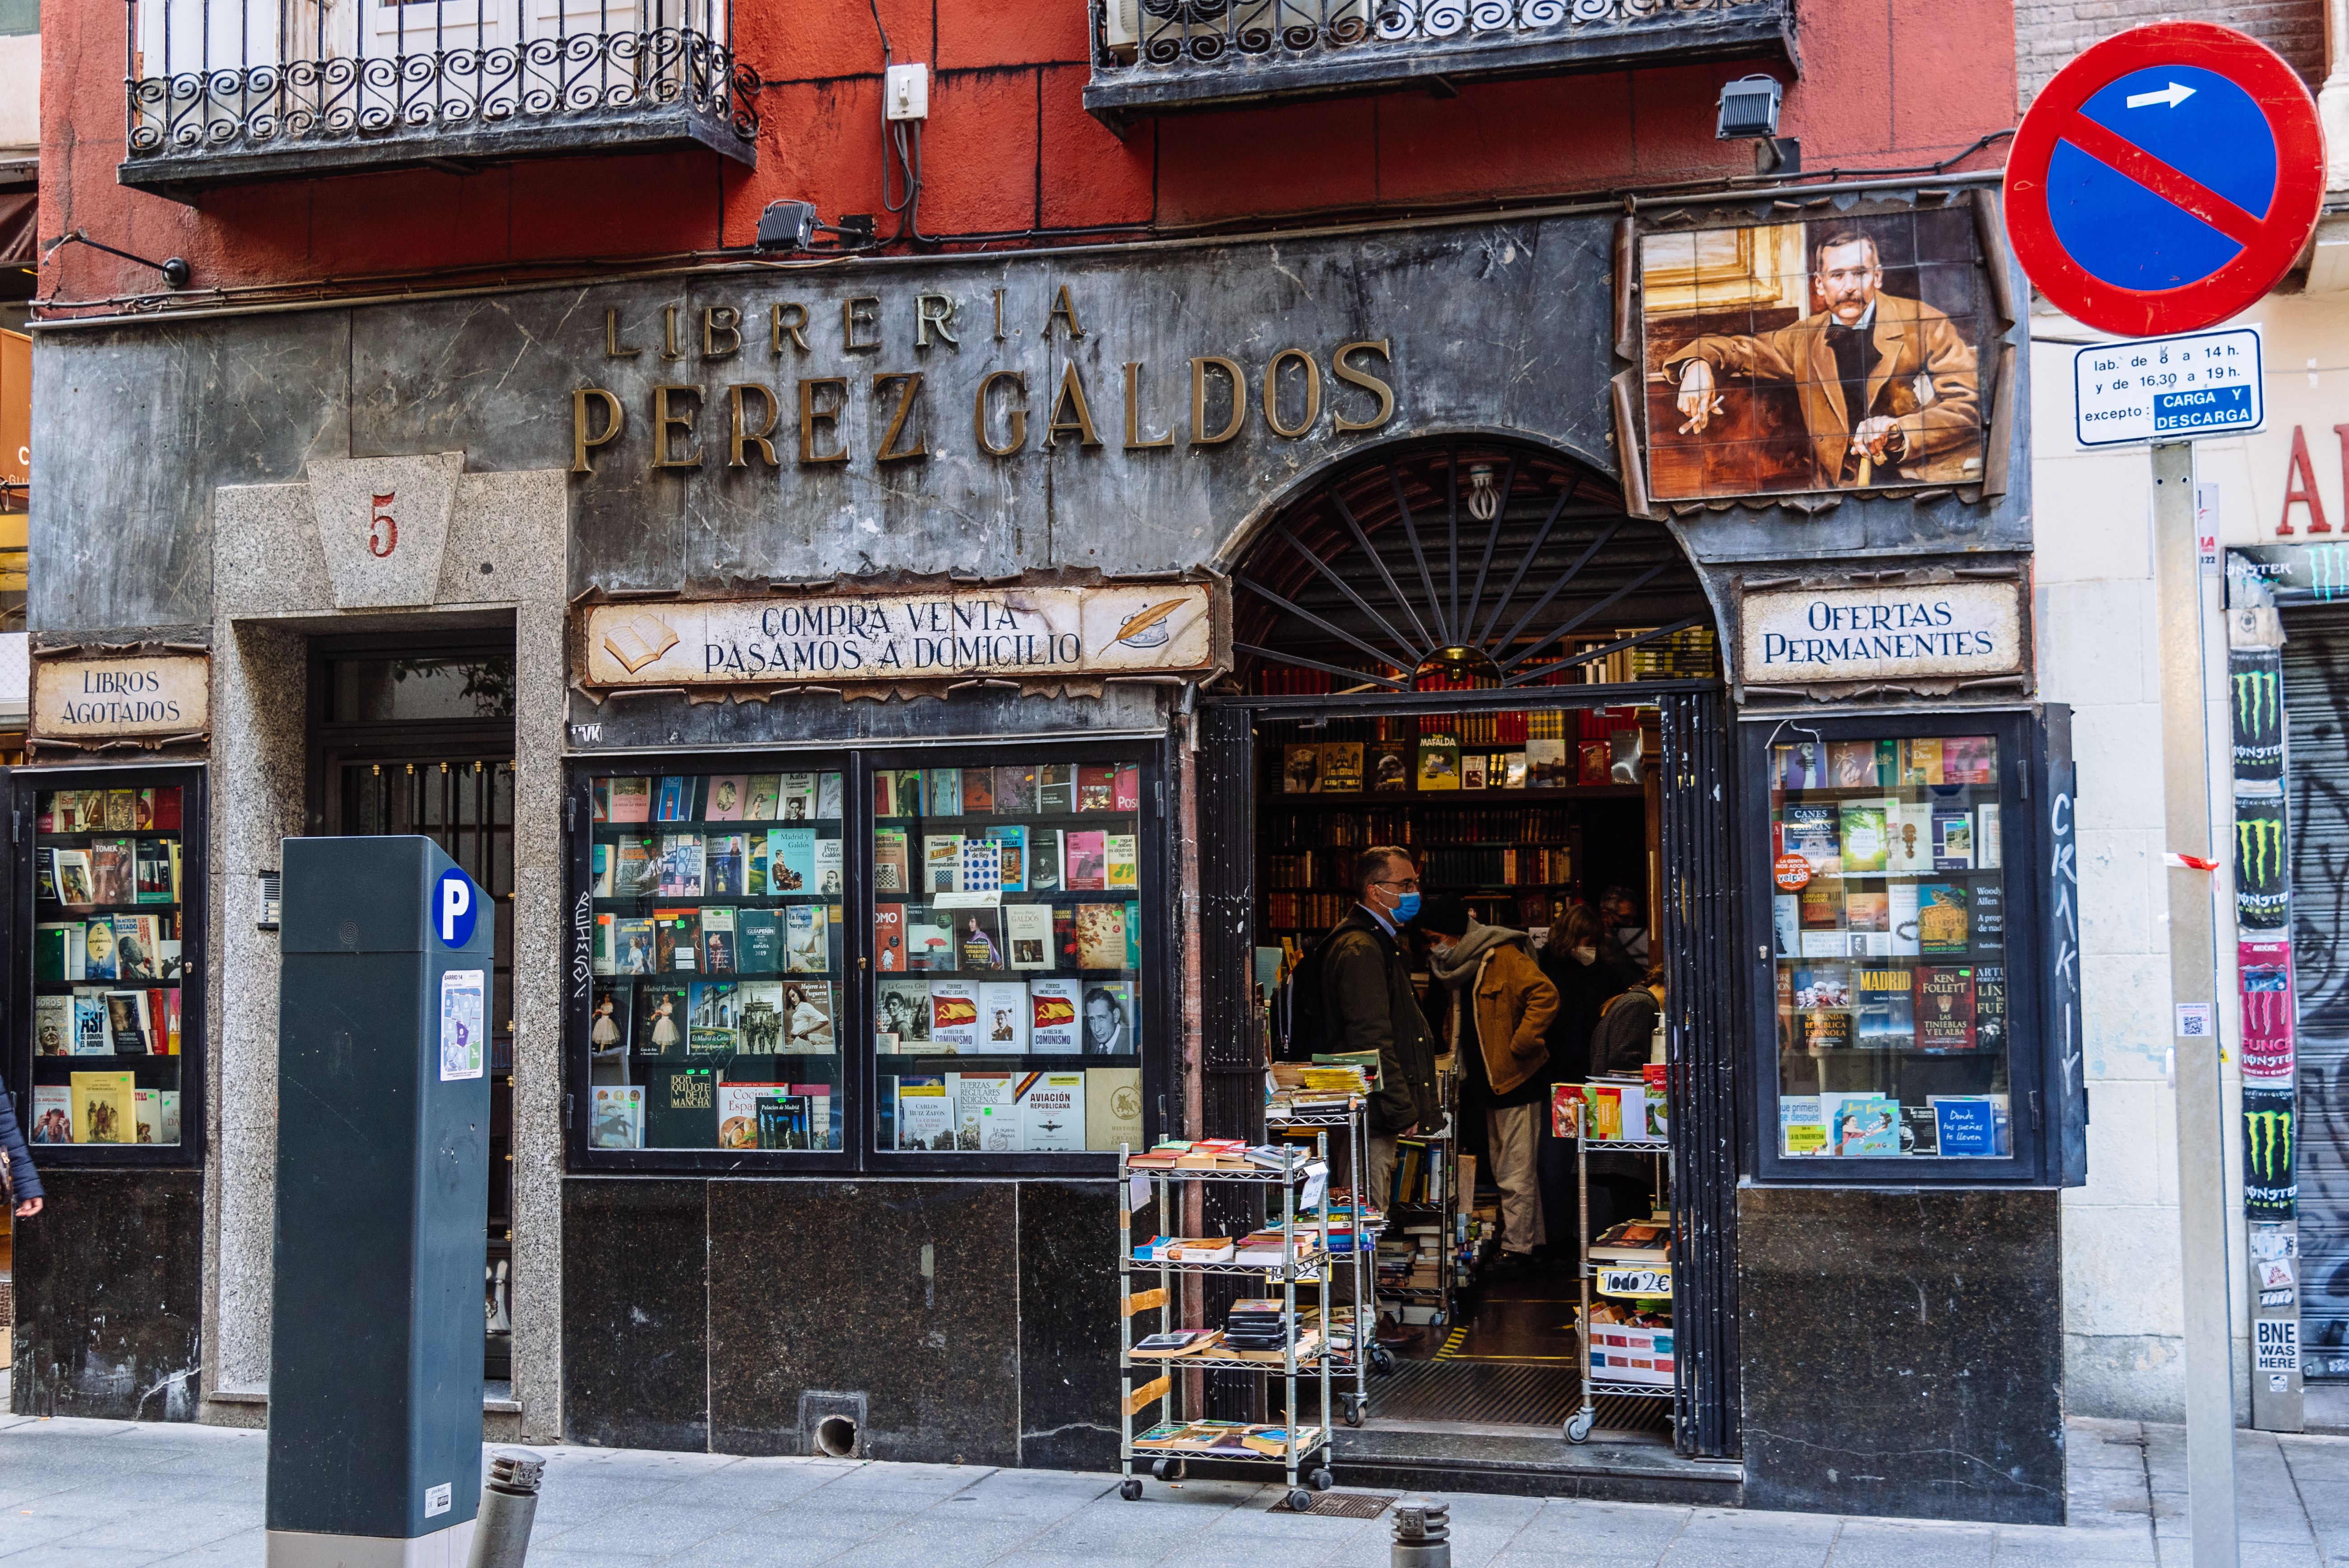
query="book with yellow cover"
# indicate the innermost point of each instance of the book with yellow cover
(105, 1108)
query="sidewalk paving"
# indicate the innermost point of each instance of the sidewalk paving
(107, 1494)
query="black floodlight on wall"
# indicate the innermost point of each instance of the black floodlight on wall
(787, 226)
(1749, 112)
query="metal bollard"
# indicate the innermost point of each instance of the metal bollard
(1423, 1533)
(509, 1503)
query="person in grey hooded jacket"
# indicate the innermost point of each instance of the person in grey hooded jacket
(1502, 1004)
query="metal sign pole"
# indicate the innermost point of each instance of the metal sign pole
(2204, 1205)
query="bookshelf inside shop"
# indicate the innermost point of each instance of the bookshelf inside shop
(1494, 807)
(111, 933)
(1271, 1333)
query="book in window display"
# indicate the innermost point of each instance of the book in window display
(1051, 1112)
(986, 1115)
(978, 940)
(607, 1036)
(904, 1014)
(758, 941)
(1942, 909)
(929, 940)
(926, 1116)
(661, 1028)
(1056, 1026)
(807, 1011)
(1109, 1019)
(1101, 936)
(52, 1114)
(710, 1020)
(1945, 1009)
(681, 1107)
(616, 1116)
(759, 1024)
(1056, 789)
(1004, 1013)
(1015, 790)
(954, 1017)
(807, 938)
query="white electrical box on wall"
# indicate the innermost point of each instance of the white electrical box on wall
(907, 90)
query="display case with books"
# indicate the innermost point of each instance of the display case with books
(713, 962)
(1012, 904)
(1898, 861)
(109, 1054)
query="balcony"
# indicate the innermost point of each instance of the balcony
(1152, 56)
(234, 92)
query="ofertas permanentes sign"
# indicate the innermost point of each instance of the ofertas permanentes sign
(1925, 631)
(888, 637)
(2168, 389)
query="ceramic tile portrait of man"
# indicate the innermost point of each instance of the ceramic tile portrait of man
(1836, 355)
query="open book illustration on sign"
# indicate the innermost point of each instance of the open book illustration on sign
(638, 642)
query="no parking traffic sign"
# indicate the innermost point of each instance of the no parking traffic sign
(2166, 179)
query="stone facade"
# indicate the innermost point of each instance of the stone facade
(2049, 33)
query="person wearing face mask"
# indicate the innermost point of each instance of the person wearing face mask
(1499, 1033)
(1369, 1004)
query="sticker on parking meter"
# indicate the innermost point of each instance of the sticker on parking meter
(461, 1024)
(454, 911)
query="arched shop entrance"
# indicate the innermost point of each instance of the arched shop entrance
(1466, 647)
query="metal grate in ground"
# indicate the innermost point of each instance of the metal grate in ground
(1340, 1505)
(1500, 1393)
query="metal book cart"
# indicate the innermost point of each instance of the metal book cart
(1629, 1281)
(1362, 1350)
(1442, 1148)
(1304, 1454)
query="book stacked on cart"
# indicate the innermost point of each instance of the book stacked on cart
(1219, 1157)
(1211, 1439)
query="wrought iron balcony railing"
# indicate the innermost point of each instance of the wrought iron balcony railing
(226, 92)
(1155, 55)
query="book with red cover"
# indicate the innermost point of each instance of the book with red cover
(889, 938)
(1096, 788)
(1126, 788)
(1945, 1009)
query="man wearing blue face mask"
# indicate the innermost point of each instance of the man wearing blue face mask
(1369, 1005)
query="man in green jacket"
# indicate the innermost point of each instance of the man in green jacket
(1369, 1003)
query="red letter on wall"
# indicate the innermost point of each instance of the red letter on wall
(2300, 484)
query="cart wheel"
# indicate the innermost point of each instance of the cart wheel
(1130, 1488)
(1353, 1410)
(1319, 1480)
(1382, 1360)
(1299, 1500)
(1167, 1470)
(1578, 1425)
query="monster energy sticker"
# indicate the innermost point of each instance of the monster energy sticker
(2255, 712)
(2293, 574)
(2261, 886)
(2270, 1128)
(2265, 972)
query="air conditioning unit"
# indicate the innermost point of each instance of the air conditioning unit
(1122, 27)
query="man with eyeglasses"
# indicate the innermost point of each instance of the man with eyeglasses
(1369, 1004)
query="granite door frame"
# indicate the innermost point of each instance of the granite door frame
(277, 584)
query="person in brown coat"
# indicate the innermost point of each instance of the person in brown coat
(1502, 1005)
(1890, 390)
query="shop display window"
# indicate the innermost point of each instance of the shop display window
(717, 958)
(1008, 925)
(115, 1011)
(1893, 949)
